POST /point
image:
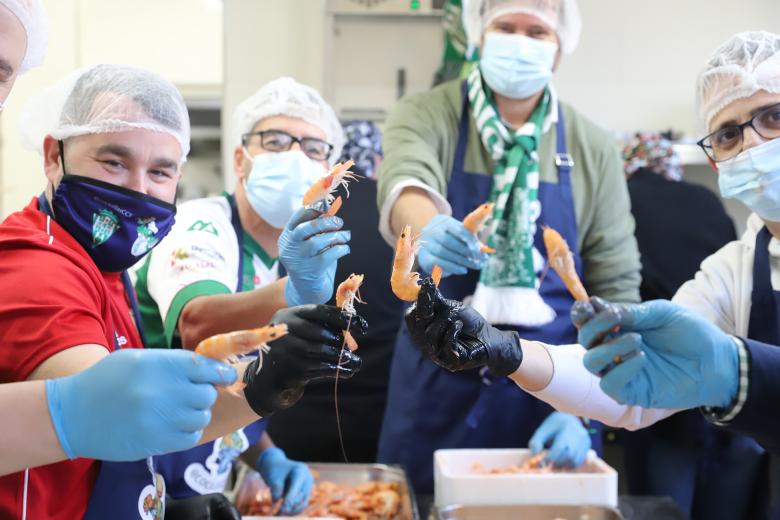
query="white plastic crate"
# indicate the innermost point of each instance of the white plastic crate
(457, 483)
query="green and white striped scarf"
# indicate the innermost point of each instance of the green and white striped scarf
(457, 59)
(454, 34)
(517, 207)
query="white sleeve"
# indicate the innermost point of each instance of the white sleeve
(576, 391)
(715, 291)
(201, 247)
(441, 203)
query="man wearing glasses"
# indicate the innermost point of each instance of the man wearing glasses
(723, 356)
(218, 269)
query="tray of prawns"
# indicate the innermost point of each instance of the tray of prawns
(341, 491)
(492, 477)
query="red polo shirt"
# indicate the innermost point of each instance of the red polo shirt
(53, 298)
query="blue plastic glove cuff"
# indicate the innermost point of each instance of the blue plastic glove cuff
(291, 295)
(54, 402)
(272, 452)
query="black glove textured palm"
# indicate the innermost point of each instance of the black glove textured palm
(214, 506)
(456, 337)
(309, 352)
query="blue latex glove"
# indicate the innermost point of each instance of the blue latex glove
(287, 478)
(446, 243)
(683, 360)
(135, 403)
(309, 249)
(566, 439)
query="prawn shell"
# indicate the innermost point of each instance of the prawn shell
(403, 281)
(223, 347)
(559, 257)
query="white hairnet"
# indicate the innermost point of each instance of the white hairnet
(106, 99)
(563, 16)
(746, 63)
(33, 18)
(287, 97)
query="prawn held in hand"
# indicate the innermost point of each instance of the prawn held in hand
(347, 293)
(404, 281)
(323, 188)
(562, 262)
(476, 220)
(230, 345)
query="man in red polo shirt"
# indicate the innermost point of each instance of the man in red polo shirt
(113, 140)
(50, 423)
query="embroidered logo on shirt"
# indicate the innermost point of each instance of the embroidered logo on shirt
(104, 224)
(212, 477)
(200, 225)
(120, 341)
(146, 239)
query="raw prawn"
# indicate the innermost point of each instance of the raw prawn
(347, 293)
(227, 347)
(323, 189)
(534, 464)
(386, 503)
(561, 260)
(404, 281)
(475, 220)
(370, 500)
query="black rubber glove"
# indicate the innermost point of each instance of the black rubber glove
(457, 337)
(202, 507)
(309, 352)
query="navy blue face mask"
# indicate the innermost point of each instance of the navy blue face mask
(116, 226)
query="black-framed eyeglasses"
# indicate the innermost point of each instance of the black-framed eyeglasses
(727, 142)
(279, 141)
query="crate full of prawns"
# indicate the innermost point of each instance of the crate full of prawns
(487, 477)
(351, 491)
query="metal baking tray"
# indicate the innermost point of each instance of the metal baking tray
(528, 512)
(249, 482)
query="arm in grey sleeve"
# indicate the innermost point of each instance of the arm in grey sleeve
(609, 251)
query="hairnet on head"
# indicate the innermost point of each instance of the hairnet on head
(563, 16)
(746, 63)
(364, 140)
(33, 18)
(287, 97)
(106, 99)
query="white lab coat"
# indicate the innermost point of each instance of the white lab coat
(720, 292)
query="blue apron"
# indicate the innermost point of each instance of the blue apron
(729, 466)
(124, 490)
(203, 469)
(429, 408)
(128, 490)
(132, 490)
(732, 467)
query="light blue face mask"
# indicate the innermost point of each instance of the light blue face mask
(753, 178)
(516, 66)
(277, 183)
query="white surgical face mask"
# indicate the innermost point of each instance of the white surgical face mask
(753, 178)
(516, 66)
(277, 183)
